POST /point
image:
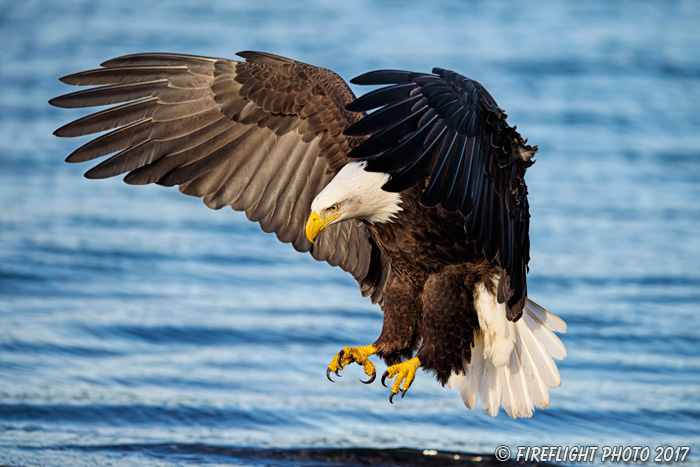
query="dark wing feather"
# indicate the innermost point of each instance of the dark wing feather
(445, 130)
(263, 136)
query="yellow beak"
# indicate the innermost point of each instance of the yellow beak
(314, 225)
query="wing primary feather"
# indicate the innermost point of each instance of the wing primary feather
(465, 203)
(488, 235)
(384, 77)
(387, 138)
(194, 169)
(119, 163)
(479, 177)
(505, 223)
(405, 153)
(451, 188)
(379, 97)
(382, 118)
(123, 75)
(432, 193)
(109, 118)
(156, 171)
(443, 101)
(417, 170)
(176, 111)
(105, 95)
(456, 109)
(265, 58)
(158, 59)
(148, 151)
(113, 141)
(188, 130)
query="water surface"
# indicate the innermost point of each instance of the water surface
(138, 327)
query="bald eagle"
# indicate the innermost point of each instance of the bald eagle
(422, 200)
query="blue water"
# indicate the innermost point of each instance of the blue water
(138, 327)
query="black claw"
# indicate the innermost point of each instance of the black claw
(371, 378)
(391, 397)
(386, 373)
(328, 375)
(403, 393)
(340, 357)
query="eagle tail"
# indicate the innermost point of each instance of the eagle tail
(511, 362)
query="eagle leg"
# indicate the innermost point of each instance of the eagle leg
(353, 354)
(406, 372)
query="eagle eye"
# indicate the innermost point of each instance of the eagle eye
(334, 208)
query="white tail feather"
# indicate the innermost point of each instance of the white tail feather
(470, 388)
(512, 363)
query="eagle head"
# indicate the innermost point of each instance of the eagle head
(352, 194)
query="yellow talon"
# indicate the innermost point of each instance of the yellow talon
(353, 354)
(405, 372)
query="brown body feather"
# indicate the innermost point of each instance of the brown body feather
(428, 303)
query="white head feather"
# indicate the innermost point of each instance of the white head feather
(358, 194)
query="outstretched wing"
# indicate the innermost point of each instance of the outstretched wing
(263, 136)
(445, 130)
